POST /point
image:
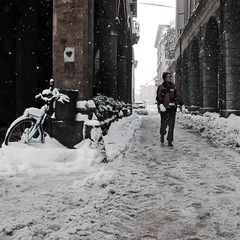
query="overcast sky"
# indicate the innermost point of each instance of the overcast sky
(149, 18)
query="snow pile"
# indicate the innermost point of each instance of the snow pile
(221, 131)
(120, 135)
(48, 158)
(53, 158)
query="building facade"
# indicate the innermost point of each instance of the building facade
(85, 45)
(148, 94)
(165, 45)
(162, 61)
(208, 54)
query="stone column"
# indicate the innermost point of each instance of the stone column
(122, 77)
(201, 57)
(178, 73)
(222, 71)
(232, 56)
(210, 84)
(73, 45)
(210, 66)
(184, 79)
(108, 60)
(107, 30)
(194, 76)
(191, 81)
(129, 70)
(125, 67)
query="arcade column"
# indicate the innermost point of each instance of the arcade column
(232, 55)
(73, 41)
(108, 58)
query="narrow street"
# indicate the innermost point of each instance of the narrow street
(81, 86)
(189, 192)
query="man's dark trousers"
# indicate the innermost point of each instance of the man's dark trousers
(168, 119)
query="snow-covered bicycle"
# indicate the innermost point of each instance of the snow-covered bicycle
(28, 128)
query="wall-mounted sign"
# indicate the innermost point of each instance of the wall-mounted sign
(69, 54)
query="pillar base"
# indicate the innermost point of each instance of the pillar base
(228, 112)
(193, 108)
(208, 109)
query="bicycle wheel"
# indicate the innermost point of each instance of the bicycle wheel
(19, 133)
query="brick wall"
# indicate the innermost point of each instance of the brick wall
(73, 27)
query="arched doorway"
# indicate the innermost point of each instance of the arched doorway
(195, 89)
(211, 66)
(7, 60)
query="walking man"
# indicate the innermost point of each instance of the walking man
(168, 97)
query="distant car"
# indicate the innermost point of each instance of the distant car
(139, 105)
(141, 111)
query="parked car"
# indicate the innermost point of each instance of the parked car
(139, 105)
(141, 111)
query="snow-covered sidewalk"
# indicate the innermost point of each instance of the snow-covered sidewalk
(190, 192)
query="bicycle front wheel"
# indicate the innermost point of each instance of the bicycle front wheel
(19, 133)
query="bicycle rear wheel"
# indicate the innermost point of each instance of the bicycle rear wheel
(19, 133)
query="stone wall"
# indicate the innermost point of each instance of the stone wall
(209, 49)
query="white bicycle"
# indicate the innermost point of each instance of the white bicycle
(28, 128)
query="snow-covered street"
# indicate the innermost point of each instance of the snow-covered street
(190, 192)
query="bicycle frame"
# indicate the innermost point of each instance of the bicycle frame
(36, 117)
(36, 127)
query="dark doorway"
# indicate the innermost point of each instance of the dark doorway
(26, 54)
(44, 62)
(7, 60)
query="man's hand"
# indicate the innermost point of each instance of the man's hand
(162, 108)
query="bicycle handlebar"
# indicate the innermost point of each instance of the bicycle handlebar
(55, 95)
(45, 99)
